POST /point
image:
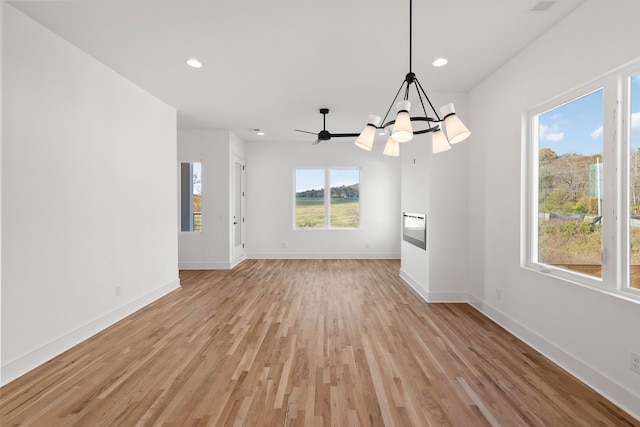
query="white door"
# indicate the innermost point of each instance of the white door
(238, 209)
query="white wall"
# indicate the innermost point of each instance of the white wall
(588, 333)
(211, 248)
(270, 190)
(1, 134)
(88, 196)
(436, 184)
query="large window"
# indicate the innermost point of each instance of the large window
(339, 207)
(569, 185)
(191, 196)
(633, 130)
(584, 170)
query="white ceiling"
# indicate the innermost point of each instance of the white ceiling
(272, 64)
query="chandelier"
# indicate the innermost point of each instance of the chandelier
(402, 128)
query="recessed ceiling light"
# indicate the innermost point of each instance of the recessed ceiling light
(260, 133)
(440, 62)
(194, 63)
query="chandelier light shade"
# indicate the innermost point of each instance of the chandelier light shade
(402, 131)
(405, 126)
(456, 130)
(392, 148)
(365, 140)
(439, 142)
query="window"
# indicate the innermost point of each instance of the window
(569, 192)
(191, 196)
(577, 149)
(633, 130)
(337, 208)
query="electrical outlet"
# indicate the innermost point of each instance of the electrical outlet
(118, 291)
(635, 362)
(367, 245)
(498, 293)
(284, 245)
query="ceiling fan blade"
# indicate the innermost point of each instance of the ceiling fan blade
(306, 131)
(344, 135)
(317, 141)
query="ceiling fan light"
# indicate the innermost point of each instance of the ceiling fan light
(392, 148)
(456, 130)
(365, 140)
(439, 141)
(402, 131)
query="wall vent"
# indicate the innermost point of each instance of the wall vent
(543, 5)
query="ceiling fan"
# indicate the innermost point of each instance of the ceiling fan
(324, 134)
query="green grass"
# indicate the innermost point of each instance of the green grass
(345, 213)
(576, 242)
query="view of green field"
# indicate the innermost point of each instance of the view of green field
(345, 212)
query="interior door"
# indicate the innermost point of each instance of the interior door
(238, 209)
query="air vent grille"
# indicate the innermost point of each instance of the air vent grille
(543, 6)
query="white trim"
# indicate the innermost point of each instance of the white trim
(327, 198)
(35, 358)
(433, 297)
(237, 261)
(615, 278)
(204, 265)
(626, 399)
(314, 255)
(605, 386)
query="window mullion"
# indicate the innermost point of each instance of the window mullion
(327, 198)
(614, 217)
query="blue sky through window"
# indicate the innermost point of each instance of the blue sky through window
(576, 127)
(313, 179)
(197, 170)
(635, 112)
(340, 177)
(309, 179)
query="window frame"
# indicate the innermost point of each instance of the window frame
(327, 197)
(180, 194)
(615, 277)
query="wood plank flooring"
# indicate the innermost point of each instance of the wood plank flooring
(303, 342)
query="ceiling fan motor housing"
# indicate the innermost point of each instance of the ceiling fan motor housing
(324, 135)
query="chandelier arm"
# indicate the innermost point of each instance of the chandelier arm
(406, 92)
(419, 86)
(410, 34)
(421, 101)
(393, 102)
(429, 120)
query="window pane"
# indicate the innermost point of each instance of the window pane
(345, 198)
(634, 161)
(191, 196)
(310, 198)
(570, 185)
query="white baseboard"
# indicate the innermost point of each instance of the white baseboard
(313, 255)
(237, 261)
(432, 297)
(37, 357)
(204, 265)
(626, 399)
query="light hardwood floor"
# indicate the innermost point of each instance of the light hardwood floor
(303, 342)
